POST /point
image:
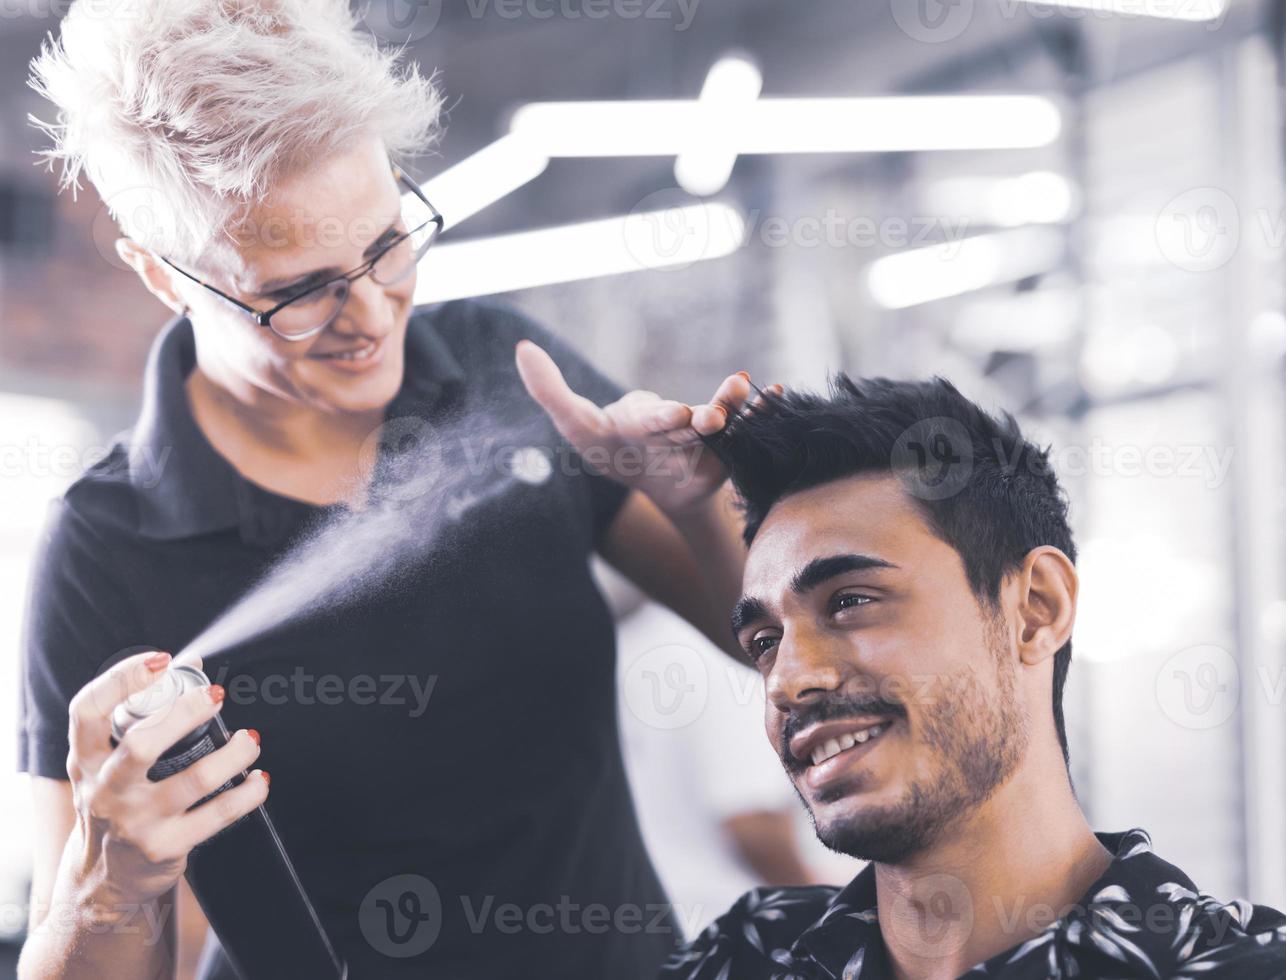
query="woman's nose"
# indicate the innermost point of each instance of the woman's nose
(369, 310)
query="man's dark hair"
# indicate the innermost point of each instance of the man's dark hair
(982, 487)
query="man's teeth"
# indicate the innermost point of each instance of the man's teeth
(835, 746)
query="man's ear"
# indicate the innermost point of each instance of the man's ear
(1047, 586)
(155, 275)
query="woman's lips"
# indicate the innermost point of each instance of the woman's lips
(818, 775)
(353, 360)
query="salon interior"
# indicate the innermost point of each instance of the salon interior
(1076, 212)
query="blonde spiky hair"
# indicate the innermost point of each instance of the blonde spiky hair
(184, 113)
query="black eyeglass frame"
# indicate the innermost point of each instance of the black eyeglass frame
(264, 317)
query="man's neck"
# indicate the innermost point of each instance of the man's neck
(1001, 877)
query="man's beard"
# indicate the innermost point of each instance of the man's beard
(978, 734)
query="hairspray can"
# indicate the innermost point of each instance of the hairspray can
(241, 876)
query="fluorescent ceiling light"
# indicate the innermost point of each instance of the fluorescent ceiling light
(678, 236)
(1039, 197)
(925, 274)
(1195, 10)
(841, 125)
(1031, 321)
(480, 180)
(732, 85)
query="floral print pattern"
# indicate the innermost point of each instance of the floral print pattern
(1143, 918)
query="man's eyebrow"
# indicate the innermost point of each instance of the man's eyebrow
(747, 610)
(820, 570)
(318, 275)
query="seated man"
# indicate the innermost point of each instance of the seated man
(909, 601)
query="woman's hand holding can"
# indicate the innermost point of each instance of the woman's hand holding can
(136, 833)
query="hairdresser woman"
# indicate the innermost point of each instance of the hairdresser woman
(247, 130)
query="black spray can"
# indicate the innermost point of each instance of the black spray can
(241, 876)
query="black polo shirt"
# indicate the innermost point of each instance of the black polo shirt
(450, 732)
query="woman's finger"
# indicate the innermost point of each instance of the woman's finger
(762, 397)
(579, 420)
(207, 774)
(728, 400)
(640, 417)
(196, 826)
(153, 736)
(91, 708)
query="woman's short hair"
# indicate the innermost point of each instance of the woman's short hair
(185, 113)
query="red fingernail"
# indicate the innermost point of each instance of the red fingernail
(253, 734)
(215, 693)
(157, 660)
(266, 778)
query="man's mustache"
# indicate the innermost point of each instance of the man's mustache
(836, 707)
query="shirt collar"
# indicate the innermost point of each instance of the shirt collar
(846, 941)
(185, 488)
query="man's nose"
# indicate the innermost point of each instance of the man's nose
(808, 666)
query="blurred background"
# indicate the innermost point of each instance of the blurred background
(1100, 256)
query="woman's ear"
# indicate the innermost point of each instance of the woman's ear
(155, 276)
(1046, 603)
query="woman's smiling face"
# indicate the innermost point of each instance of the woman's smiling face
(325, 221)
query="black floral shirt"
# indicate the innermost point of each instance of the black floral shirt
(1142, 918)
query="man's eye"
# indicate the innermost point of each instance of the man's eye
(759, 645)
(849, 601)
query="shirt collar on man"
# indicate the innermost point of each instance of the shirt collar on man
(1134, 878)
(185, 488)
(1142, 918)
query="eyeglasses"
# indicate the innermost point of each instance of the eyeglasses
(314, 308)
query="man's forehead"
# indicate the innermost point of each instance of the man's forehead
(865, 515)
